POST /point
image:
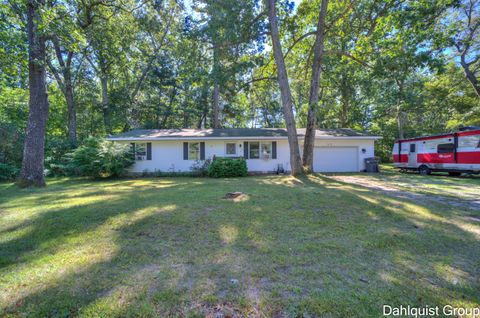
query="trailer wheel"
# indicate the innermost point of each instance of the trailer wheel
(454, 173)
(424, 170)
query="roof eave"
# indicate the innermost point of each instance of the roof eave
(238, 138)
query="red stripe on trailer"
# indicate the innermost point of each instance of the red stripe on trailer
(403, 158)
(435, 158)
(460, 133)
(468, 157)
(469, 133)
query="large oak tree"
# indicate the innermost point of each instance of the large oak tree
(33, 154)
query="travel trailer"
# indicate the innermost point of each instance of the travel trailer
(455, 153)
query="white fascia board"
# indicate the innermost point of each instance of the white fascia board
(242, 138)
(195, 138)
(349, 138)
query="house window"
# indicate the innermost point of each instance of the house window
(193, 151)
(260, 150)
(254, 151)
(231, 148)
(140, 151)
(445, 148)
(266, 152)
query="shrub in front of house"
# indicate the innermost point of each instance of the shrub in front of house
(99, 158)
(200, 168)
(228, 167)
(8, 172)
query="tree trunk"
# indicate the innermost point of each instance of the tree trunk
(401, 123)
(33, 152)
(345, 100)
(470, 75)
(66, 84)
(168, 111)
(216, 106)
(216, 90)
(286, 94)
(318, 51)
(105, 104)
(71, 110)
(400, 113)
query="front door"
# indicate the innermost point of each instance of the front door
(412, 155)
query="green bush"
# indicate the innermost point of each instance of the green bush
(227, 167)
(100, 159)
(200, 168)
(8, 172)
(11, 143)
(57, 157)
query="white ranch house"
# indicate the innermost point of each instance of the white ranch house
(265, 149)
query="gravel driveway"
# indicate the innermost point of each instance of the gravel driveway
(415, 190)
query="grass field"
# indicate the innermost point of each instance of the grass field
(174, 247)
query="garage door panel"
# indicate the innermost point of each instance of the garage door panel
(335, 159)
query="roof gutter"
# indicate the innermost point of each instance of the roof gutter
(242, 138)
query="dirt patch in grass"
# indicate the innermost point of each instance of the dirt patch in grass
(236, 196)
(223, 310)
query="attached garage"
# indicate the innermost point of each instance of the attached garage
(336, 159)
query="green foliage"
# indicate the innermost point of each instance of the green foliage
(227, 167)
(200, 168)
(11, 144)
(99, 159)
(57, 156)
(8, 172)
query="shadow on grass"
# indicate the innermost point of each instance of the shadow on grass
(296, 245)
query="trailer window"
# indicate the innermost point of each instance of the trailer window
(445, 148)
(469, 142)
(412, 147)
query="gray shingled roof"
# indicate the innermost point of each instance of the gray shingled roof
(230, 132)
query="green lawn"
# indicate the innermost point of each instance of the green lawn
(174, 247)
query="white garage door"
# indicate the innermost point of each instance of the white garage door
(335, 159)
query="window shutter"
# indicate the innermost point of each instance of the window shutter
(245, 149)
(185, 151)
(202, 151)
(149, 151)
(274, 150)
(133, 149)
